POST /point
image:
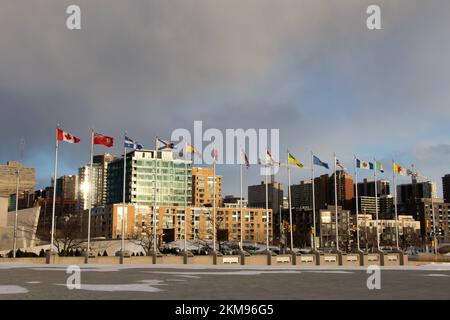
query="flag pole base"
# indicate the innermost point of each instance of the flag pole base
(401, 256)
(381, 255)
(242, 255)
(86, 256)
(294, 258)
(316, 257)
(186, 254)
(215, 254)
(51, 257)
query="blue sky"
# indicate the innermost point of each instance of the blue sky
(310, 68)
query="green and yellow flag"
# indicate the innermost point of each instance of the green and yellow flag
(292, 159)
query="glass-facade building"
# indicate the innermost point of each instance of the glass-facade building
(151, 177)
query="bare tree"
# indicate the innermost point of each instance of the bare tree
(67, 235)
(145, 241)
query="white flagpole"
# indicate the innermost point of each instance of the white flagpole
(357, 205)
(214, 199)
(313, 203)
(267, 208)
(395, 207)
(185, 196)
(290, 205)
(242, 210)
(154, 202)
(336, 205)
(376, 201)
(90, 193)
(54, 196)
(16, 213)
(123, 196)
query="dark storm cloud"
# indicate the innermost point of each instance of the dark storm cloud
(310, 68)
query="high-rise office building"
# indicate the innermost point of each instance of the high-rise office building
(102, 176)
(67, 187)
(257, 199)
(446, 188)
(406, 193)
(322, 191)
(301, 195)
(151, 177)
(89, 187)
(257, 196)
(367, 188)
(99, 181)
(203, 187)
(345, 189)
(367, 205)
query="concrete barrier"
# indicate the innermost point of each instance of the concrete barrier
(351, 259)
(31, 260)
(282, 260)
(260, 260)
(306, 259)
(428, 257)
(105, 260)
(392, 259)
(139, 260)
(329, 260)
(70, 260)
(372, 259)
(170, 260)
(203, 260)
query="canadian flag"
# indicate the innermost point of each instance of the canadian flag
(65, 136)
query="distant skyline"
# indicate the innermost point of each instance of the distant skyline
(310, 68)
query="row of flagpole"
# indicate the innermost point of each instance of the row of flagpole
(269, 163)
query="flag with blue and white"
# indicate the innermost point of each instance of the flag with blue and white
(364, 164)
(320, 163)
(340, 165)
(131, 144)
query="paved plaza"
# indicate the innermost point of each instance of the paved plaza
(20, 281)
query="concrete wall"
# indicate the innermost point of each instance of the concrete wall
(205, 260)
(105, 260)
(169, 260)
(256, 260)
(429, 258)
(139, 260)
(23, 260)
(70, 260)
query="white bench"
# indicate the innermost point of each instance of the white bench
(352, 258)
(230, 260)
(330, 258)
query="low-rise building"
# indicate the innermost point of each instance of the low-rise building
(107, 223)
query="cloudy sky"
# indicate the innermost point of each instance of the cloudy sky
(310, 68)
